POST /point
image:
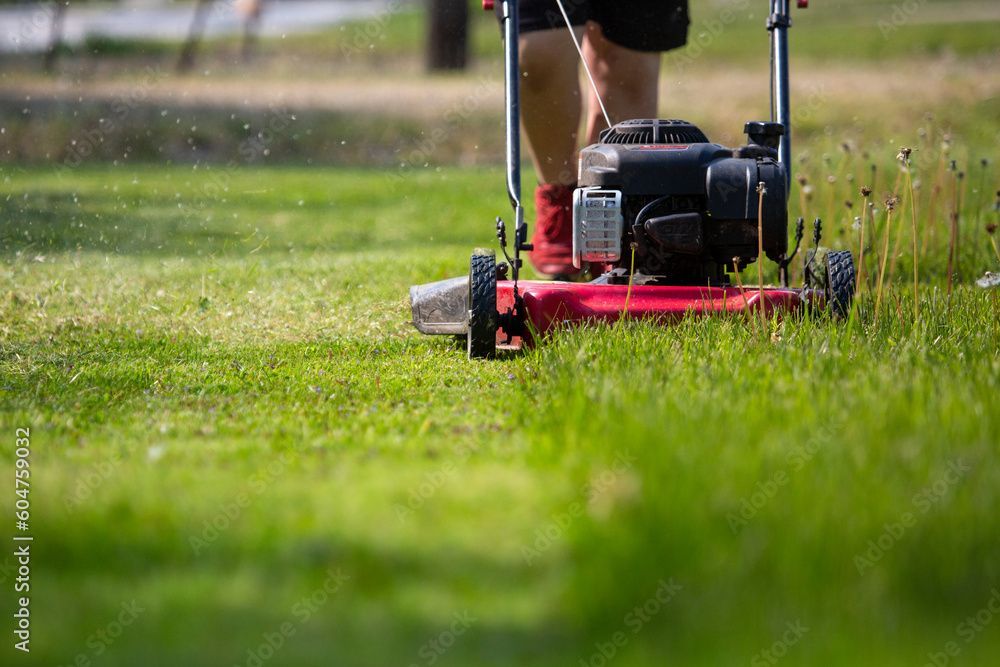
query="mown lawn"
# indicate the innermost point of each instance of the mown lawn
(237, 435)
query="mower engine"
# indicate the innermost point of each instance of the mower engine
(689, 206)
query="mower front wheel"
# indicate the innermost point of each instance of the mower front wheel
(481, 337)
(832, 271)
(840, 281)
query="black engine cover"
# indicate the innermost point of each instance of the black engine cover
(668, 171)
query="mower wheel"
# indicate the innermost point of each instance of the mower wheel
(482, 334)
(840, 281)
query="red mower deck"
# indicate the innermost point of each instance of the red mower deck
(549, 305)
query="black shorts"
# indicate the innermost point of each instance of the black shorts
(640, 25)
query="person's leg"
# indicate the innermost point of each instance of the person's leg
(627, 80)
(551, 109)
(624, 58)
(550, 116)
(550, 103)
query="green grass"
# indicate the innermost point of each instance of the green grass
(853, 37)
(185, 357)
(228, 404)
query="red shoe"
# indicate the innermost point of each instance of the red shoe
(553, 235)
(598, 269)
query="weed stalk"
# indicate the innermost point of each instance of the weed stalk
(865, 194)
(904, 156)
(761, 191)
(890, 204)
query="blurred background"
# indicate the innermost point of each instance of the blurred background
(371, 80)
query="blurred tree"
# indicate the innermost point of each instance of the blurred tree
(447, 34)
(55, 34)
(251, 11)
(186, 60)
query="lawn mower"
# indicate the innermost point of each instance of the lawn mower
(667, 214)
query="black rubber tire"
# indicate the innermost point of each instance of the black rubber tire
(840, 281)
(481, 337)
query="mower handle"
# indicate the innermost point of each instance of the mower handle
(509, 16)
(779, 20)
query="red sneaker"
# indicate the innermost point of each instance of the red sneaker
(553, 234)
(598, 269)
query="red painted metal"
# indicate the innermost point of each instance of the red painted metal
(551, 304)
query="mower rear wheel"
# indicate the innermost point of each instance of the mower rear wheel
(840, 281)
(481, 337)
